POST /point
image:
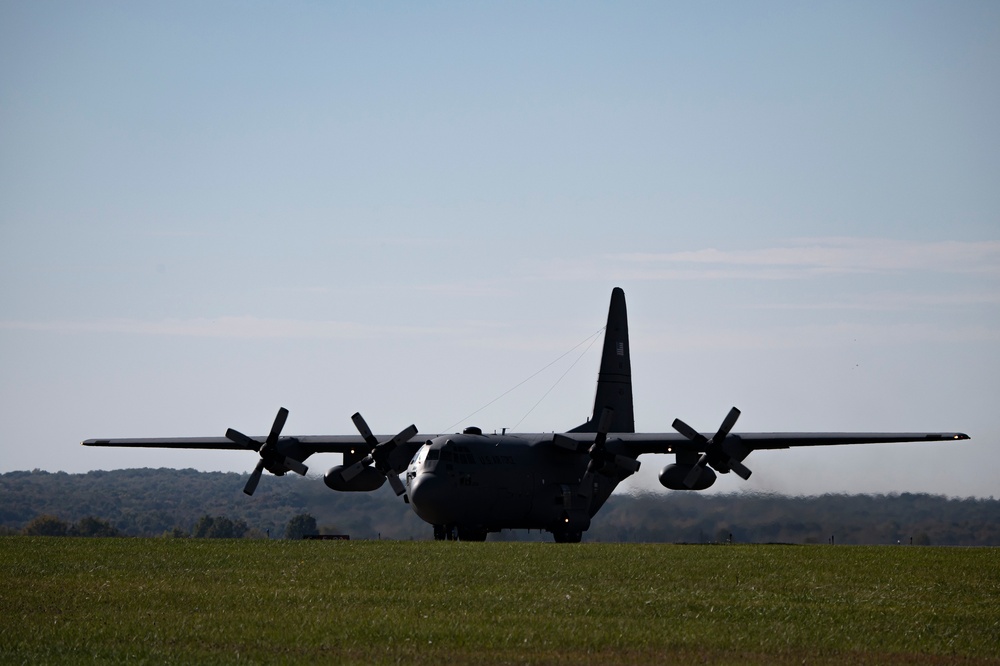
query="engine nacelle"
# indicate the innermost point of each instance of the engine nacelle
(672, 477)
(369, 479)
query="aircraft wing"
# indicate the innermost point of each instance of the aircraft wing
(777, 440)
(300, 445)
(287, 454)
(635, 443)
(312, 444)
(640, 443)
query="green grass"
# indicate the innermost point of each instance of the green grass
(228, 601)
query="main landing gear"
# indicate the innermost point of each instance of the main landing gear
(568, 536)
(459, 533)
(465, 533)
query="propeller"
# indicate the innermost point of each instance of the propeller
(601, 460)
(270, 456)
(720, 454)
(379, 456)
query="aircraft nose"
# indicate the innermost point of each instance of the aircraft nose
(430, 498)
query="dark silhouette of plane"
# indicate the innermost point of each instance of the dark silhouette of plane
(469, 484)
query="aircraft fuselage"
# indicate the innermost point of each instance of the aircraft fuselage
(479, 483)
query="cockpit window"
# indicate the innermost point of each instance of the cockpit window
(433, 454)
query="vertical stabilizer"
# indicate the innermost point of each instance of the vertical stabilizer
(614, 381)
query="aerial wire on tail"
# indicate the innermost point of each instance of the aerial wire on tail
(591, 339)
(545, 395)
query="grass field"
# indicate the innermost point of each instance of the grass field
(228, 601)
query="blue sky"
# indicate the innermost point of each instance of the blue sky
(208, 211)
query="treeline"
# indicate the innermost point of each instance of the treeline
(46, 525)
(156, 502)
(906, 518)
(169, 502)
(207, 527)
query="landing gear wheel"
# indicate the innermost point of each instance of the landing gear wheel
(444, 533)
(568, 536)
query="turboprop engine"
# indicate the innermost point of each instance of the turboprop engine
(675, 477)
(367, 479)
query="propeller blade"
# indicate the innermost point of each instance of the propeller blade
(366, 432)
(692, 477)
(628, 464)
(397, 485)
(296, 466)
(380, 454)
(605, 423)
(602, 428)
(688, 431)
(239, 438)
(276, 427)
(350, 472)
(741, 470)
(568, 443)
(727, 425)
(254, 478)
(405, 436)
(717, 450)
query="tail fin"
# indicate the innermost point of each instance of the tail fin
(614, 381)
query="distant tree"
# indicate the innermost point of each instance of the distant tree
(45, 525)
(240, 529)
(202, 527)
(93, 527)
(218, 527)
(299, 526)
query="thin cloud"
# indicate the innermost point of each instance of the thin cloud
(478, 289)
(889, 301)
(168, 232)
(814, 336)
(828, 256)
(224, 327)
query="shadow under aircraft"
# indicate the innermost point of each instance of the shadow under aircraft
(469, 484)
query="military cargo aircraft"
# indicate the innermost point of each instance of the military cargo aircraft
(469, 484)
